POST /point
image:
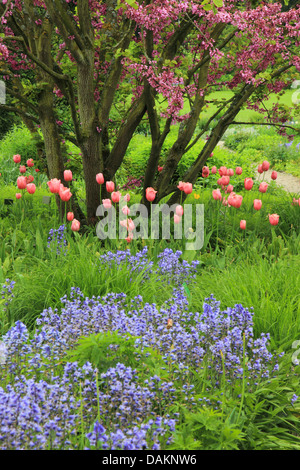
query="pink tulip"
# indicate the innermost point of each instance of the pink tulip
(30, 162)
(296, 202)
(129, 237)
(21, 182)
(75, 226)
(230, 172)
(177, 219)
(229, 188)
(217, 195)
(265, 165)
(54, 185)
(248, 183)
(65, 194)
(150, 194)
(18, 195)
(274, 219)
(68, 175)
(188, 188)
(17, 158)
(130, 225)
(125, 210)
(212, 154)
(257, 204)
(260, 168)
(127, 197)
(235, 200)
(31, 188)
(224, 180)
(115, 196)
(110, 186)
(223, 171)
(22, 169)
(100, 178)
(106, 203)
(179, 211)
(205, 172)
(214, 170)
(225, 202)
(274, 175)
(181, 185)
(29, 179)
(70, 216)
(263, 187)
(238, 170)
(243, 224)
(160, 168)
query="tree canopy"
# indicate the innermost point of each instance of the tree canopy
(90, 71)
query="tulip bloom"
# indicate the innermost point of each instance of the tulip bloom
(31, 188)
(18, 195)
(129, 237)
(150, 194)
(110, 186)
(224, 180)
(257, 204)
(30, 162)
(214, 170)
(75, 225)
(248, 183)
(229, 188)
(65, 194)
(235, 200)
(22, 169)
(265, 165)
(263, 187)
(260, 169)
(217, 195)
(230, 172)
(125, 210)
(223, 171)
(179, 211)
(54, 185)
(238, 170)
(205, 172)
(37, 170)
(106, 203)
(160, 168)
(177, 219)
(181, 185)
(273, 219)
(17, 158)
(100, 178)
(127, 197)
(243, 224)
(29, 179)
(68, 175)
(274, 175)
(115, 196)
(70, 216)
(188, 188)
(21, 182)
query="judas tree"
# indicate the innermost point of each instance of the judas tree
(90, 58)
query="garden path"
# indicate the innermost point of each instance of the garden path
(288, 182)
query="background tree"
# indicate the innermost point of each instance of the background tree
(94, 55)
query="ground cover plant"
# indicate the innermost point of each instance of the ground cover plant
(188, 339)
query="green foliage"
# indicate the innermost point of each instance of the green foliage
(105, 350)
